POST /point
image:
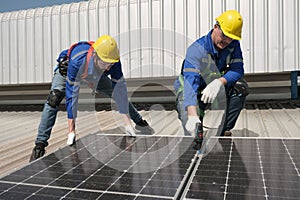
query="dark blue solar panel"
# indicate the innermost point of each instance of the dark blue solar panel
(105, 167)
(244, 168)
(117, 167)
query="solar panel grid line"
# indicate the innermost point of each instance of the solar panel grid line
(107, 146)
(95, 172)
(166, 157)
(235, 168)
(33, 175)
(262, 171)
(169, 158)
(43, 186)
(211, 180)
(100, 139)
(93, 191)
(157, 168)
(128, 168)
(228, 170)
(287, 150)
(194, 184)
(283, 186)
(185, 180)
(196, 161)
(256, 138)
(279, 175)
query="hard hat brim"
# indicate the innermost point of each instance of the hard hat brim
(107, 60)
(234, 37)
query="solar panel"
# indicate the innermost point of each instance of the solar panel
(105, 167)
(243, 168)
(160, 167)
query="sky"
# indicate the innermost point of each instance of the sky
(14, 5)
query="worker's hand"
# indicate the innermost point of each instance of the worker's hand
(129, 131)
(211, 91)
(191, 124)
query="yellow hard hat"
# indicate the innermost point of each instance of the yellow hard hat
(231, 23)
(107, 49)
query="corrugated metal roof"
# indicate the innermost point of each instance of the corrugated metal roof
(19, 129)
(153, 35)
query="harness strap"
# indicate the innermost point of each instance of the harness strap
(88, 57)
(206, 72)
(200, 111)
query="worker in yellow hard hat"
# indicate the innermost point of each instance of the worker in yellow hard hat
(89, 63)
(212, 62)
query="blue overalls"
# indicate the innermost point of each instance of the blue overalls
(202, 64)
(69, 87)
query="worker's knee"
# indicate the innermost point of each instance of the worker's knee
(241, 88)
(55, 97)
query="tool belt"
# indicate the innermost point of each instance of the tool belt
(63, 65)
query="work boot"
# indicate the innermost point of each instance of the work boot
(37, 152)
(144, 127)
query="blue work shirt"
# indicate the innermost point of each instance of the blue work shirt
(198, 55)
(76, 67)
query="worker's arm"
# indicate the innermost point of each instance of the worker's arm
(236, 66)
(192, 111)
(72, 95)
(120, 96)
(119, 88)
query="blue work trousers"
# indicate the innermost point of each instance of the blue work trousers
(49, 113)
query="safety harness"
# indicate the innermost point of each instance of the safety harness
(206, 72)
(88, 57)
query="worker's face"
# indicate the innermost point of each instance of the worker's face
(100, 63)
(220, 40)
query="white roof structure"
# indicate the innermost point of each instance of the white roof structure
(153, 35)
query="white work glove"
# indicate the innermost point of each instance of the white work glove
(129, 131)
(211, 91)
(191, 124)
(71, 138)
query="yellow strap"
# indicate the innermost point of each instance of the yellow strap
(180, 89)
